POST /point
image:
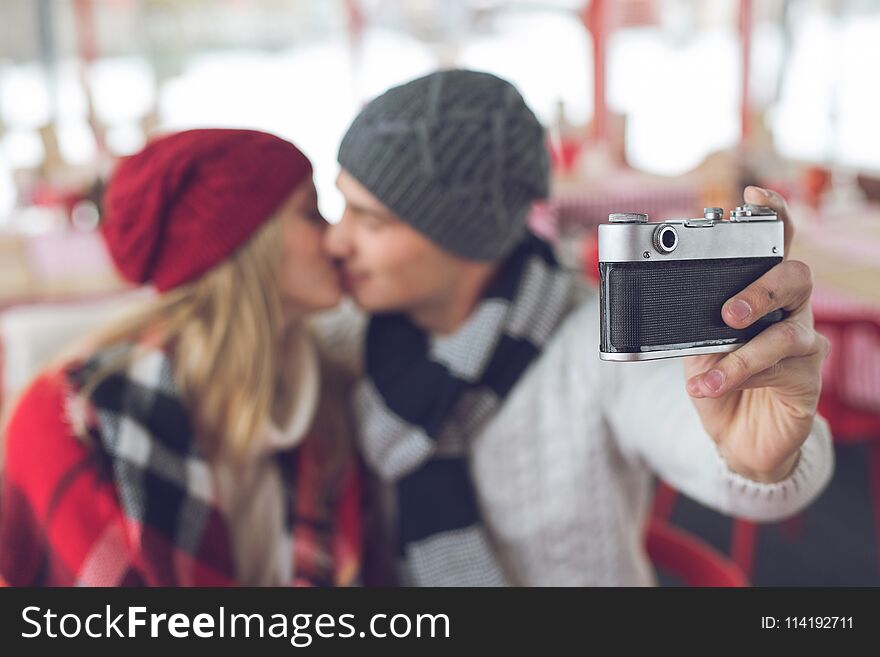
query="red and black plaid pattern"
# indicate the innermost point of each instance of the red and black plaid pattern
(135, 505)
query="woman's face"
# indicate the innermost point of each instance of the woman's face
(309, 278)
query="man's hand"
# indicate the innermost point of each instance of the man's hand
(758, 402)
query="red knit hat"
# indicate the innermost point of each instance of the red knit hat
(188, 200)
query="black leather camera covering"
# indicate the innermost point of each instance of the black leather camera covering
(677, 304)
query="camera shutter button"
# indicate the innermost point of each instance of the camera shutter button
(628, 218)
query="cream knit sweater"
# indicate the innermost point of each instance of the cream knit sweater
(564, 470)
(251, 496)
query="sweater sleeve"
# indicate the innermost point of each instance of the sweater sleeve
(654, 420)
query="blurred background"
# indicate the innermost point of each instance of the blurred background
(657, 106)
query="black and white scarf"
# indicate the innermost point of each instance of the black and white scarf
(141, 432)
(425, 397)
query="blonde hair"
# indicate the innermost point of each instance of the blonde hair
(230, 348)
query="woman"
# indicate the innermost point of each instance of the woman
(201, 441)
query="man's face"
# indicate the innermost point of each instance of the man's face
(387, 266)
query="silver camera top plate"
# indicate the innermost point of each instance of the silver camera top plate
(751, 232)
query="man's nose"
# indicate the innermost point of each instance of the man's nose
(336, 239)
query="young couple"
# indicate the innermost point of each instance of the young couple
(454, 423)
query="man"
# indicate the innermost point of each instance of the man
(508, 453)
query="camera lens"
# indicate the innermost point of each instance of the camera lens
(665, 239)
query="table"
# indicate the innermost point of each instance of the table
(54, 266)
(843, 253)
(58, 267)
(579, 207)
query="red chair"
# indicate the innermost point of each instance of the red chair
(851, 390)
(744, 533)
(688, 558)
(850, 402)
(590, 256)
(851, 380)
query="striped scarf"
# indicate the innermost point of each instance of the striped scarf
(141, 431)
(425, 398)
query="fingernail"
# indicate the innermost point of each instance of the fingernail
(693, 385)
(740, 310)
(763, 192)
(714, 379)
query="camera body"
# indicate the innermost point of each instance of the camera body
(662, 284)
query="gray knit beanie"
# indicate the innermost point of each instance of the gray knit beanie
(457, 155)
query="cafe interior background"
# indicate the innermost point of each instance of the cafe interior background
(657, 106)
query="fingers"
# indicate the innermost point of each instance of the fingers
(774, 356)
(788, 370)
(789, 339)
(761, 196)
(788, 286)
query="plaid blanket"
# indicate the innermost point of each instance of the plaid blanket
(136, 505)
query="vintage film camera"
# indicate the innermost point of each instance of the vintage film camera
(663, 283)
